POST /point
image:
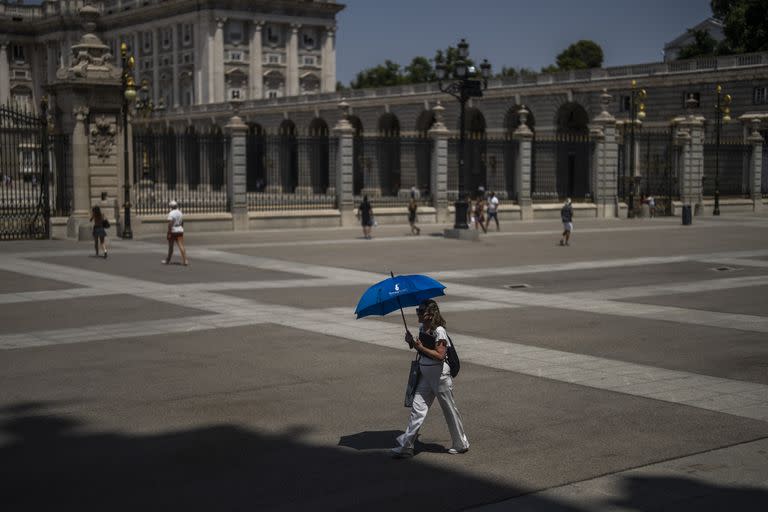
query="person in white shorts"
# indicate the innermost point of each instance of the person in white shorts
(566, 215)
(175, 233)
(492, 208)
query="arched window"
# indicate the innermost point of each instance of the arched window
(573, 151)
(289, 156)
(255, 154)
(389, 154)
(319, 155)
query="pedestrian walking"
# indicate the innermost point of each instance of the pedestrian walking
(480, 213)
(365, 214)
(175, 233)
(435, 382)
(493, 209)
(99, 230)
(412, 207)
(651, 206)
(566, 215)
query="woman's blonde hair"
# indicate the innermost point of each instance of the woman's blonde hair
(433, 310)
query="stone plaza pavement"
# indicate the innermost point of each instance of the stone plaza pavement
(626, 372)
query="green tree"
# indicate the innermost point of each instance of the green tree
(449, 58)
(383, 75)
(582, 54)
(703, 45)
(419, 71)
(746, 28)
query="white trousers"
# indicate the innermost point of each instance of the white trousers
(435, 381)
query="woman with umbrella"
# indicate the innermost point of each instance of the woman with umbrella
(435, 381)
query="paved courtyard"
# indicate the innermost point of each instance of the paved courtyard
(626, 372)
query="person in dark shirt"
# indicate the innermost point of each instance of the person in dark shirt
(365, 214)
(566, 215)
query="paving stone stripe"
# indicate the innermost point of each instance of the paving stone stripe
(670, 289)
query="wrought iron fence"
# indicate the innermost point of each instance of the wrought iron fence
(764, 172)
(285, 171)
(489, 165)
(189, 168)
(393, 169)
(25, 187)
(562, 167)
(733, 175)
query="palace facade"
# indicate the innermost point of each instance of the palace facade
(190, 52)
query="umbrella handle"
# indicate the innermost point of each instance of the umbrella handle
(401, 306)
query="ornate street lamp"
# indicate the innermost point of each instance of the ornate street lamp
(465, 85)
(636, 114)
(723, 115)
(144, 104)
(129, 95)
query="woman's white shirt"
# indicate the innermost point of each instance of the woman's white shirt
(440, 334)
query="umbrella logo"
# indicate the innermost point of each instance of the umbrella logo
(397, 287)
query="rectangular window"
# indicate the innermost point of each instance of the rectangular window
(187, 33)
(309, 61)
(188, 97)
(760, 96)
(273, 35)
(309, 41)
(18, 53)
(695, 95)
(236, 56)
(147, 37)
(625, 103)
(187, 58)
(167, 35)
(235, 94)
(273, 59)
(235, 32)
(272, 94)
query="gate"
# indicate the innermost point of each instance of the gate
(657, 161)
(562, 167)
(25, 207)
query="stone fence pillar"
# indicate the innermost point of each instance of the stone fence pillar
(236, 171)
(345, 166)
(689, 133)
(524, 136)
(756, 166)
(605, 161)
(438, 177)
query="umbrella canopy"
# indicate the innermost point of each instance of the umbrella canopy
(397, 292)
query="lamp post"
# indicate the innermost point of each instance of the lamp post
(636, 113)
(723, 115)
(463, 87)
(129, 94)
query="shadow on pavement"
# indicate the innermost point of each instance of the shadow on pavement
(384, 440)
(49, 462)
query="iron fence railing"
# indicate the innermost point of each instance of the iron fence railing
(733, 176)
(188, 168)
(392, 169)
(489, 165)
(562, 167)
(285, 171)
(61, 175)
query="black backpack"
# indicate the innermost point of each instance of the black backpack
(453, 358)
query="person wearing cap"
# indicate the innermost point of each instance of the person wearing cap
(566, 215)
(175, 233)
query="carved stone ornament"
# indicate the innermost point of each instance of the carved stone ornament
(92, 59)
(103, 137)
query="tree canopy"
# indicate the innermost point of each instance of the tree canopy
(584, 54)
(703, 45)
(746, 28)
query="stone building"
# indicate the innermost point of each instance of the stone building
(190, 52)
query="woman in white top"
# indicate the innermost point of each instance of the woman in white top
(435, 382)
(175, 233)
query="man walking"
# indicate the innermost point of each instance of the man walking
(566, 215)
(175, 234)
(493, 207)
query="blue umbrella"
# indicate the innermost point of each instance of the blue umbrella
(397, 293)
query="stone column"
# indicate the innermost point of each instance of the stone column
(255, 72)
(756, 166)
(155, 66)
(438, 174)
(344, 166)
(81, 201)
(690, 136)
(524, 137)
(236, 172)
(201, 60)
(175, 102)
(605, 162)
(5, 74)
(218, 61)
(329, 60)
(292, 62)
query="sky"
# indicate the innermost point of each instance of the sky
(509, 33)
